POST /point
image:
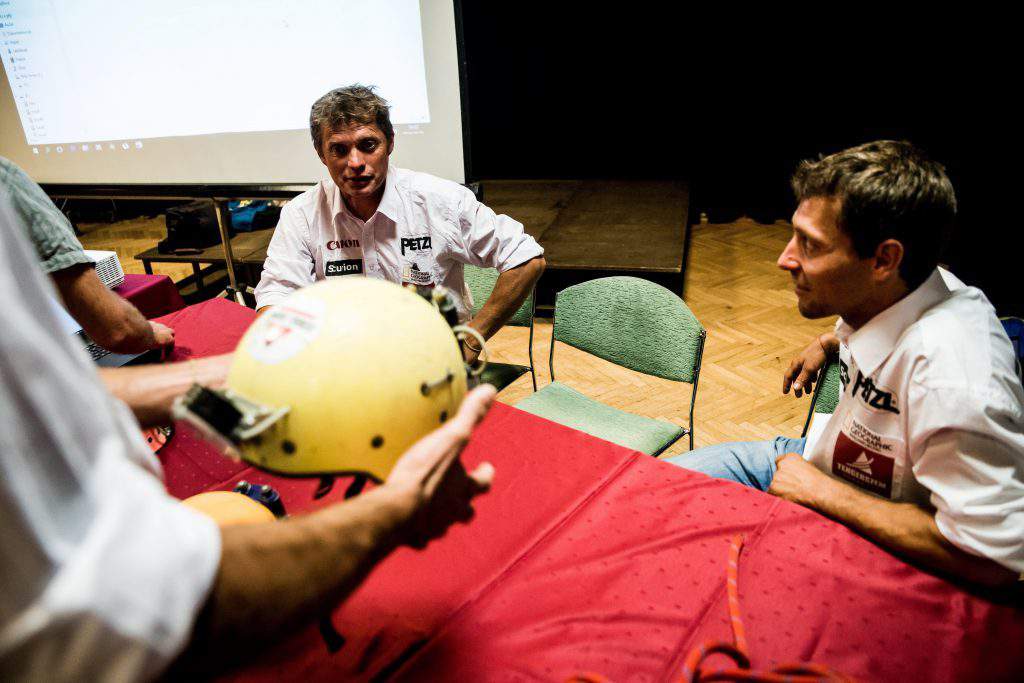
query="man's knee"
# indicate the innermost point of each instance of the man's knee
(751, 463)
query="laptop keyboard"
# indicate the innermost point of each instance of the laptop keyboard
(95, 350)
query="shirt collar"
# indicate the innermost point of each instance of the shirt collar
(390, 203)
(874, 342)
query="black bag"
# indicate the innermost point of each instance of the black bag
(192, 226)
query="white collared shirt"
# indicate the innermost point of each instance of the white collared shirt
(103, 572)
(932, 412)
(423, 232)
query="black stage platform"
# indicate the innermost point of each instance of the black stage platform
(597, 228)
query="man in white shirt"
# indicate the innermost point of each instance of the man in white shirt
(106, 577)
(381, 221)
(925, 451)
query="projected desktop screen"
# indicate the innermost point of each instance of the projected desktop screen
(217, 91)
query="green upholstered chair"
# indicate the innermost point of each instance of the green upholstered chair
(826, 393)
(635, 324)
(481, 283)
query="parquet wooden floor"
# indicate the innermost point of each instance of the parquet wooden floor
(131, 237)
(733, 287)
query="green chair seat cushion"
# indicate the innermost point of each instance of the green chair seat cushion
(502, 374)
(564, 405)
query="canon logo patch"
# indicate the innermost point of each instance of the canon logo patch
(342, 244)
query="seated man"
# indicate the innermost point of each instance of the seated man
(925, 451)
(108, 319)
(106, 577)
(386, 222)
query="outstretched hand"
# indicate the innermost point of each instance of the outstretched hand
(431, 478)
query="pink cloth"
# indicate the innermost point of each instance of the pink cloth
(587, 557)
(153, 295)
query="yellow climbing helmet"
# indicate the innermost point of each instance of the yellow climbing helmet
(342, 376)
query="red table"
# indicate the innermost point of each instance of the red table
(153, 295)
(587, 557)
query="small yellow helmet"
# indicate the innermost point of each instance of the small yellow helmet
(341, 377)
(228, 508)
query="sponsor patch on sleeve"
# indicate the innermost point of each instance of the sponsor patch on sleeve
(867, 459)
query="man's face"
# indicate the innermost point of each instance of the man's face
(829, 276)
(357, 158)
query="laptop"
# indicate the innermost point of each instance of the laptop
(101, 356)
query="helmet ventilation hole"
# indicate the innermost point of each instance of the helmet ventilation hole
(377, 441)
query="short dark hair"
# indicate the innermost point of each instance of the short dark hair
(353, 104)
(887, 190)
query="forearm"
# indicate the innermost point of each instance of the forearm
(124, 329)
(277, 578)
(511, 289)
(150, 390)
(907, 530)
(109, 320)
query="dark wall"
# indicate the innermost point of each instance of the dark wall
(731, 101)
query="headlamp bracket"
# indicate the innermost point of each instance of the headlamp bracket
(225, 417)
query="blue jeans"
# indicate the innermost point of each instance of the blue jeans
(751, 463)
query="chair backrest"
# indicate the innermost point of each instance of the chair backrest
(633, 323)
(826, 396)
(481, 283)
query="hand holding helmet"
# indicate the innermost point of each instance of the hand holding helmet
(430, 476)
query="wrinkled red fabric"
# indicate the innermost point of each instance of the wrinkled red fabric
(587, 557)
(153, 295)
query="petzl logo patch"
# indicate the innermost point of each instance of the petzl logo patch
(863, 467)
(348, 267)
(417, 243)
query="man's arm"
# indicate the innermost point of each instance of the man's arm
(903, 528)
(803, 370)
(510, 290)
(150, 390)
(276, 578)
(109, 320)
(290, 263)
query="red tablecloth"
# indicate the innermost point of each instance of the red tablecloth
(153, 295)
(588, 557)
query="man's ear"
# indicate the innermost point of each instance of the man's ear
(888, 257)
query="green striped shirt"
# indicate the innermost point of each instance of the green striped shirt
(51, 233)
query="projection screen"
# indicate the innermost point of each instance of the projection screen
(217, 91)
